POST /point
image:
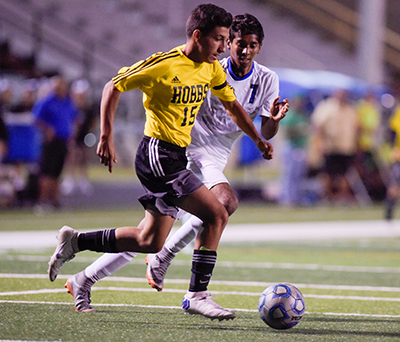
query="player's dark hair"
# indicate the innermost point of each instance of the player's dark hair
(244, 24)
(206, 18)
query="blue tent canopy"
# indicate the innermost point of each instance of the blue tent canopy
(295, 82)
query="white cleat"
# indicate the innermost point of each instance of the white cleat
(66, 248)
(200, 303)
(79, 287)
(155, 272)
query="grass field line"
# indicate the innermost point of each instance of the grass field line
(239, 264)
(216, 282)
(229, 293)
(179, 308)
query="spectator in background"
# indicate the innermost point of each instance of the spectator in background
(336, 126)
(295, 128)
(393, 191)
(6, 96)
(28, 98)
(24, 150)
(370, 119)
(3, 134)
(77, 164)
(3, 138)
(367, 160)
(55, 115)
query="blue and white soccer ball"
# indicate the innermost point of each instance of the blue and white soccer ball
(281, 306)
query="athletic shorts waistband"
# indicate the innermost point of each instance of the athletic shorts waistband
(166, 145)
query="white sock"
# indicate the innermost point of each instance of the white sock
(107, 264)
(185, 234)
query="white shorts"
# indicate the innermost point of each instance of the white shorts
(206, 166)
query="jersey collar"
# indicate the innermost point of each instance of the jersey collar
(236, 78)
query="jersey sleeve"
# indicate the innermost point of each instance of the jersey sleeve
(132, 77)
(141, 74)
(270, 96)
(220, 86)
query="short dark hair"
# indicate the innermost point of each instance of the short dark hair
(206, 18)
(244, 24)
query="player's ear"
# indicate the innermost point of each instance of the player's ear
(228, 44)
(259, 48)
(196, 35)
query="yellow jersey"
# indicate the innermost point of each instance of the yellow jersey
(394, 124)
(174, 88)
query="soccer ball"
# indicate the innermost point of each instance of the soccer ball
(281, 306)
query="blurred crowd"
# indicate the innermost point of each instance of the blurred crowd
(341, 150)
(338, 149)
(45, 130)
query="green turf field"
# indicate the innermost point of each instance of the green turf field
(351, 287)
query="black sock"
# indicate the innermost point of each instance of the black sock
(99, 241)
(390, 202)
(202, 267)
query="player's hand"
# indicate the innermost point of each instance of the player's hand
(106, 152)
(279, 109)
(266, 149)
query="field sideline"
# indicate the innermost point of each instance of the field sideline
(293, 231)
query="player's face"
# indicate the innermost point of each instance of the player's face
(213, 45)
(243, 50)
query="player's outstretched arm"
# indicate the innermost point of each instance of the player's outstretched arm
(243, 120)
(108, 107)
(278, 110)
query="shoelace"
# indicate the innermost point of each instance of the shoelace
(58, 256)
(208, 299)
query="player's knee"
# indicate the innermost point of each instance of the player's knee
(231, 205)
(228, 200)
(216, 217)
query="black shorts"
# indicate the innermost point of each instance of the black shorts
(161, 168)
(338, 164)
(53, 158)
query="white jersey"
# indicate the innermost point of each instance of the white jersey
(214, 129)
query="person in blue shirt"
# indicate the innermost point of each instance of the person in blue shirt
(55, 115)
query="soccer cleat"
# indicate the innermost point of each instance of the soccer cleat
(200, 303)
(156, 269)
(79, 287)
(66, 248)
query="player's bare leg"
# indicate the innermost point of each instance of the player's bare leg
(150, 239)
(157, 264)
(197, 300)
(203, 204)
